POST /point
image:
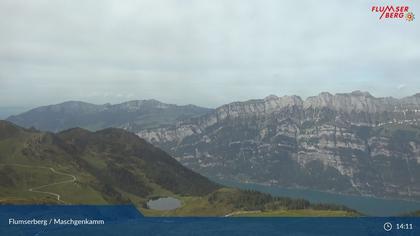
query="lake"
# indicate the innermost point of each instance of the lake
(164, 204)
(368, 205)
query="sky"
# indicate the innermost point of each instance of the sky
(202, 52)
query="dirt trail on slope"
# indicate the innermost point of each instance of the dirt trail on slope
(36, 188)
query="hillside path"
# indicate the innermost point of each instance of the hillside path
(36, 189)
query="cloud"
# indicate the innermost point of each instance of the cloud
(203, 52)
(401, 86)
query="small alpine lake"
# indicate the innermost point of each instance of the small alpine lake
(164, 203)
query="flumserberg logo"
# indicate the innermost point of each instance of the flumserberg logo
(394, 12)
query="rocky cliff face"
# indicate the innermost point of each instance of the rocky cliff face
(349, 143)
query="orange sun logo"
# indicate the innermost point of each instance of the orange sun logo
(409, 16)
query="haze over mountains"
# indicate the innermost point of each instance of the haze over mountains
(349, 143)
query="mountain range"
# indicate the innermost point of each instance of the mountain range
(348, 143)
(131, 115)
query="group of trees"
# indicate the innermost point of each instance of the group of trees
(253, 200)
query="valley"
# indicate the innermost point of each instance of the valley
(351, 144)
(113, 166)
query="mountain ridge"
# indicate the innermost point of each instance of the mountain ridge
(128, 115)
(346, 138)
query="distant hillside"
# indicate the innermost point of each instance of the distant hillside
(132, 115)
(111, 166)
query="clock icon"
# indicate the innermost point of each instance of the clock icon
(387, 226)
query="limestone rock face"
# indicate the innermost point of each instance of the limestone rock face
(350, 143)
